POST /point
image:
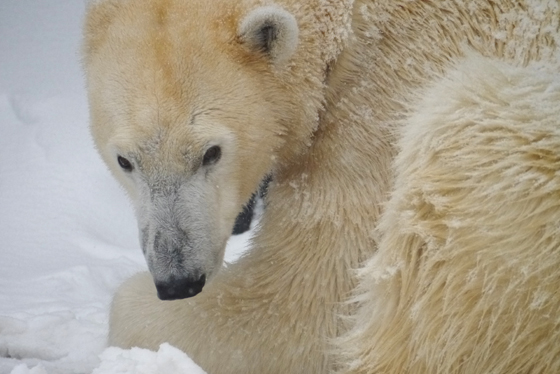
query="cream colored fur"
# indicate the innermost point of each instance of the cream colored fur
(466, 275)
(468, 244)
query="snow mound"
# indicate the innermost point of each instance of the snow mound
(23, 369)
(168, 360)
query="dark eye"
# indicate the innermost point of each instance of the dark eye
(212, 155)
(124, 163)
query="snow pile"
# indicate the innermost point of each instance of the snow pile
(68, 235)
(23, 369)
(168, 360)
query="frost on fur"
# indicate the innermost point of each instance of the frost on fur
(181, 76)
(472, 229)
(271, 30)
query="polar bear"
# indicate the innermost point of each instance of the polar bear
(466, 275)
(360, 110)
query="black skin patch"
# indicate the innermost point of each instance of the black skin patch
(180, 288)
(267, 36)
(244, 219)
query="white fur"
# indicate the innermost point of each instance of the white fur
(463, 281)
(465, 182)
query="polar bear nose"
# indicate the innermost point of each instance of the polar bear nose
(180, 288)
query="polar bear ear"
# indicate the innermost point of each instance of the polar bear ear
(270, 30)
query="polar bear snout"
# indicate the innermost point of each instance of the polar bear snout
(180, 288)
(178, 265)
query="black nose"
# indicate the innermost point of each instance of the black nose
(180, 288)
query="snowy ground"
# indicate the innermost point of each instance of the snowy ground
(67, 232)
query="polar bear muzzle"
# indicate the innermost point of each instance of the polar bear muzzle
(178, 222)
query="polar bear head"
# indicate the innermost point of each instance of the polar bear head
(192, 104)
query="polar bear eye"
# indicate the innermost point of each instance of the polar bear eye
(212, 155)
(125, 164)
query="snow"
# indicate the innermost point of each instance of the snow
(68, 235)
(142, 361)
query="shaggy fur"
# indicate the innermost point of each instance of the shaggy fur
(466, 276)
(468, 244)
